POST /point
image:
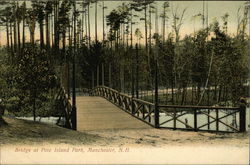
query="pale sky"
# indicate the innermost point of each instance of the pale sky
(216, 9)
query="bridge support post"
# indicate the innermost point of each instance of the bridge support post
(132, 85)
(137, 71)
(73, 118)
(195, 120)
(242, 117)
(73, 112)
(156, 96)
(157, 116)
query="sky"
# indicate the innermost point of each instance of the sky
(216, 9)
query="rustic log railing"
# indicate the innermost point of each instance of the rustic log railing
(195, 118)
(65, 106)
(203, 118)
(140, 109)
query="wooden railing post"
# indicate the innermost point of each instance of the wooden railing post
(157, 115)
(208, 120)
(195, 119)
(133, 89)
(174, 119)
(137, 72)
(242, 117)
(217, 119)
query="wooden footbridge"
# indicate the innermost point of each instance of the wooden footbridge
(96, 113)
(106, 108)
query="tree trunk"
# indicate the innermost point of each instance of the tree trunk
(47, 31)
(11, 38)
(163, 24)
(172, 91)
(96, 21)
(34, 107)
(89, 26)
(7, 35)
(41, 35)
(56, 33)
(146, 29)
(15, 36)
(18, 36)
(150, 32)
(23, 31)
(103, 22)
(86, 26)
(32, 37)
(64, 45)
(131, 29)
(2, 122)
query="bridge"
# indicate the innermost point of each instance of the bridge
(96, 113)
(106, 108)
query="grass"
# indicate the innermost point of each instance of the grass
(29, 132)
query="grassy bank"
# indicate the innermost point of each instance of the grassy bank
(29, 132)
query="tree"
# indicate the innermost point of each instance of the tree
(114, 20)
(164, 19)
(138, 35)
(48, 10)
(31, 21)
(38, 8)
(34, 76)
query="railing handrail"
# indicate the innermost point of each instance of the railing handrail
(198, 107)
(172, 106)
(144, 102)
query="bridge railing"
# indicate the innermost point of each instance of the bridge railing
(203, 118)
(140, 109)
(65, 106)
(195, 118)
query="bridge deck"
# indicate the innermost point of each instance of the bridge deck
(96, 113)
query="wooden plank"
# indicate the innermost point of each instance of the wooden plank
(96, 113)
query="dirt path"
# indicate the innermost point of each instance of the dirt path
(27, 142)
(28, 132)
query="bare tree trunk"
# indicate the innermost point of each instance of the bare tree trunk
(89, 26)
(23, 31)
(103, 22)
(34, 105)
(47, 31)
(11, 37)
(56, 33)
(86, 26)
(32, 36)
(7, 35)
(15, 36)
(131, 29)
(146, 29)
(163, 24)
(150, 32)
(41, 35)
(18, 36)
(96, 21)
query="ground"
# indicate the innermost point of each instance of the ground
(28, 132)
(29, 142)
